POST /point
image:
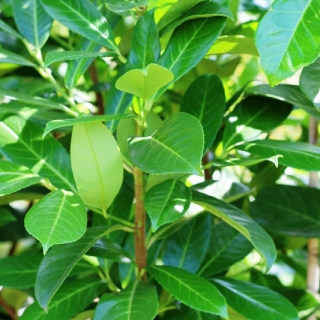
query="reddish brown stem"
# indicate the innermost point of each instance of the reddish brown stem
(94, 78)
(207, 172)
(10, 311)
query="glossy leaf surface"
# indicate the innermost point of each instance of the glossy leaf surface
(174, 148)
(288, 39)
(7, 56)
(205, 99)
(256, 302)
(167, 202)
(241, 222)
(58, 263)
(122, 6)
(32, 21)
(294, 208)
(294, 154)
(137, 301)
(190, 289)
(247, 161)
(82, 17)
(94, 150)
(59, 217)
(15, 177)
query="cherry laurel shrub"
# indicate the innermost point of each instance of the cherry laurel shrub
(153, 165)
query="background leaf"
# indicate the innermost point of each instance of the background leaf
(122, 6)
(6, 216)
(7, 56)
(59, 217)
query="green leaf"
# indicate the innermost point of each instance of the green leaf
(6, 216)
(144, 83)
(73, 297)
(94, 150)
(187, 313)
(294, 208)
(174, 148)
(145, 47)
(310, 83)
(54, 56)
(241, 222)
(59, 261)
(167, 202)
(227, 246)
(82, 17)
(21, 142)
(248, 161)
(294, 154)
(256, 302)
(10, 57)
(83, 119)
(252, 116)
(124, 5)
(137, 301)
(19, 271)
(205, 99)
(35, 101)
(15, 177)
(59, 217)
(190, 289)
(32, 21)
(288, 39)
(234, 45)
(7, 29)
(187, 248)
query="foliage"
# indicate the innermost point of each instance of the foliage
(145, 172)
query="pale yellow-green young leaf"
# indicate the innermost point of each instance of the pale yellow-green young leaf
(96, 164)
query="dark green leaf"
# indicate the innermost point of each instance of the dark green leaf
(32, 21)
(82, 17)
(256, 302)
(59, 261)
(294, 154)
(205, 100)
(59, 217)
(6, 216)
(252, 116)
(82, 119)
(167, 202)
(73, 297)
(124, 5)
(190, 289)
(136, 302)
(7, 29)
(15, 177)
(288, 39)
(10, 57)
(241, 222)
(248, 161)
(174, 148)
(227, 246)
(19, 271)
(187, 313)
(187, 248)
(21, 142)
(310, 82)
(294, 208)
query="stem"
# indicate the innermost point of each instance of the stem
(10, 311)
(94, 78)
(313, 276)
(207, 170)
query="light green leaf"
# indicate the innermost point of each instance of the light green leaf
(82, 17)
(241, 222)
(167, 202)
(32, 21)
(124, 5)
(174, 148)
(59, 217)
(59, 261)
(83, 119)
(288, 38)
(233, 45)
(256, 302)
(5, 215)
(73, 297)
(144, 83)
(19, 271)
(294, 208)
(54, 56)
(310, 82)
(205, 99)
(186, 248)
(190, 289)
(21, 143)
(11, 57)
(294, 154)
(96, 164)
(15, 177)
(248, 161)
(7, 29)
(137, 301)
